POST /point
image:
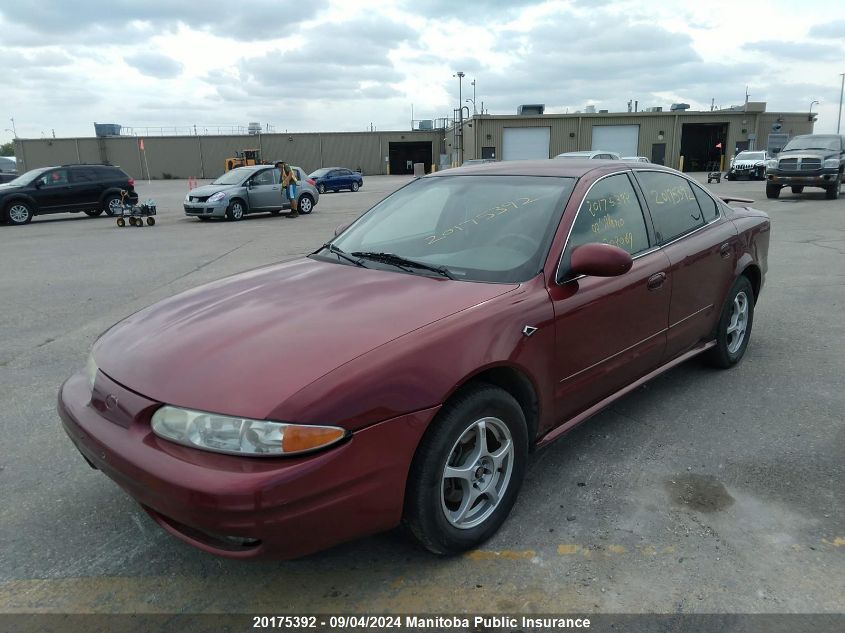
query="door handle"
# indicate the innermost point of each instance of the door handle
(725, 249)
(655, 282)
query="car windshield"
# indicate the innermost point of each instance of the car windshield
(813, 142)
(234, 177)
(750, 156)
(574, 155)
(479, 228)
(319, 172)
(28, 177)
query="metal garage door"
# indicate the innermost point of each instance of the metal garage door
(525, 143)
(622, 139)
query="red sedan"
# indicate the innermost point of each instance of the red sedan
(404, 371)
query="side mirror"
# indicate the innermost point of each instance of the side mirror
(600, 260)
(340, 228)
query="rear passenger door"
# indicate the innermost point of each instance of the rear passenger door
(702, 247)
(85, 184)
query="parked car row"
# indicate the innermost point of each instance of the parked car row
(8, 169)
(96, 189)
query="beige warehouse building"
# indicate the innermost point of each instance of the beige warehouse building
(662, 137)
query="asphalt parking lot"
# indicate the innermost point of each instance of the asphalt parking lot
(704, 491)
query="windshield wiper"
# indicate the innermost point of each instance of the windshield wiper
(340, 253)
(402, 262)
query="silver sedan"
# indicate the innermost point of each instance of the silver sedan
(253, 189)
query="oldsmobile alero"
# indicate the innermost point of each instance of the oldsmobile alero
(403, 372)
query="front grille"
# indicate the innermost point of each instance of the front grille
(800, 164)
(199, 198)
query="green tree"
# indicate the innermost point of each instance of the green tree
(7, 149)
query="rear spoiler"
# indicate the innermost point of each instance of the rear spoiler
(735, 199)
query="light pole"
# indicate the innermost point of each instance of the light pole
(812, 103)
(14, 131)
(472, 101)
(474, 111)
(460, 75)
(841, 90)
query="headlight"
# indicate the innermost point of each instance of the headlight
(188, 197)
(241, 436)
(772, 163)
(831, 163)
(217, 197)
(91, 369)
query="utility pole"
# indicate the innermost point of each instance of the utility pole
(841, 90)
(474, 111)
(460, 75)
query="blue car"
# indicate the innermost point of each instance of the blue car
(336, 178)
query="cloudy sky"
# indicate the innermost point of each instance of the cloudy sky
(330, 65)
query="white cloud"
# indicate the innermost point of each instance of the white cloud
(328, 67)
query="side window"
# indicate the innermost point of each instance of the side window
(55, 177)
(673, 205)
(83, 175)
(298, 174)
(708, 205)
(263, 178)
(611, 213)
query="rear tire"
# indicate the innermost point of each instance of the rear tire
(772, 191)
(354, 186)
(733, 331)
(111, 205)
(321, 188)
(480, 440)
(306, 204)
(797, 188)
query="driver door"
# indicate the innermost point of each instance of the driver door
(610, 331)
(265, 192)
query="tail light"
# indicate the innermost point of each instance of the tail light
(131, 182)
(311, 181)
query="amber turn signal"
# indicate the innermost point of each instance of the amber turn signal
(298, 439)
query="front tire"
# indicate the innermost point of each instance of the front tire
(19, 213)
(734, 328)
(467, 471)
(832, 192)
(321, 188)
(354, 186)
(772, 191)
(306, 204)
(797, 188)
(235, 211)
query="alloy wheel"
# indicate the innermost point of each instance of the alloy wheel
(18, 213)
(738, 323)
(477, 473)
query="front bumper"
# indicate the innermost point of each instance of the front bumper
(746, 172)
(242, 507)
(205, 209)
(817, 178)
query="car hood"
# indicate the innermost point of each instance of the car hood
(746, 164)
(243, 345)
(207, 190)
(6, 187)
(809, 153)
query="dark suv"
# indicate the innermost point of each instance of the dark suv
(809, 160)
(67, 188)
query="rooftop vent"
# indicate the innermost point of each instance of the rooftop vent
(254, 127)
(531, 108)
(107, 129)
(679, 106)
(654, 109)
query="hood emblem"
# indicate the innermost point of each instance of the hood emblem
(528, 330)
(111, 402)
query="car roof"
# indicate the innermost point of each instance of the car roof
(574, 168)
